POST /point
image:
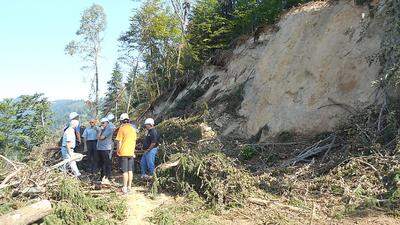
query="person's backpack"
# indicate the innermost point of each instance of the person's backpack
(62, 136)
(60, 141)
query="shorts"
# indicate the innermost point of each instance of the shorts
(126, 163)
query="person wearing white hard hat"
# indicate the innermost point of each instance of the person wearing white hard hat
(75, 116)
(150, 146)
(126, 143)
(68, 145)
(111, 118)
(104, 145)
(90, 137)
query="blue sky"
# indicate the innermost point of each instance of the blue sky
(33, 35)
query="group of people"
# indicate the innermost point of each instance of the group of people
(101, 141)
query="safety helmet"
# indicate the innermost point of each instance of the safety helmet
(149, 121)
(124, 116)
(104, 120)
(110, 117)
(73, 115)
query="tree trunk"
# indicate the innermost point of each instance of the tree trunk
(27, 214)
(132, 84)
(97, 87)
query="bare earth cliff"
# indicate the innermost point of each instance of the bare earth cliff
(305, 74)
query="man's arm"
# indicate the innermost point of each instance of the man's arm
(106, 133)
(99, 134)
(118, 140)
(78, 133)
(69, 147)
(152, 145)
(101, 137)
(153, 139)
(117, 145)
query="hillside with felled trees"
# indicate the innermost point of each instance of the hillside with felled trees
(270, 112)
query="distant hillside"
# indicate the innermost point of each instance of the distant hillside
(62, 108)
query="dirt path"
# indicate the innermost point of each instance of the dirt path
(140, 206)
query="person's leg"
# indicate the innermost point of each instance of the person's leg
(95, 164)
(74, 168)
(101, 163)
(130, 172)
(108, 164)
(89, 156)
(64, 155)
(143, 164)
(124, 168)
(151, 158)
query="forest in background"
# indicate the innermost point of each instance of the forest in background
(167, 45)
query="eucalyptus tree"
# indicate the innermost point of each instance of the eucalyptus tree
(90, 37)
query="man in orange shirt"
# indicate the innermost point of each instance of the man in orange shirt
(126, 143)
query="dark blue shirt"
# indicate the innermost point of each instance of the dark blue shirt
(151, 137)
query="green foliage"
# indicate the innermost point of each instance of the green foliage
(5, 208)
(163, 217)
(155, 33)
(248, 152)
(90, 33)
(176, 129)
(171, 53)
(208, 29)
(137, 88)
(24, 124)
(93, 23)
(75, 207)
(191, 211)
(115, 100)
(212, 175)
(215, 24)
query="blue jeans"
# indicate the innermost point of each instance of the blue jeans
(72, 164)
(147, 161)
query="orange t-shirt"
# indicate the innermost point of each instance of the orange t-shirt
(127, 140)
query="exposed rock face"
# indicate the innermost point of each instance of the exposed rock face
(322, 53)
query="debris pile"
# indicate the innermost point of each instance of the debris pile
(193, 163)
(37, 181)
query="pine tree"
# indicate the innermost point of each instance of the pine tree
(115, 99)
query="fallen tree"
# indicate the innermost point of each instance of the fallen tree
(28, 214)
(74, 201)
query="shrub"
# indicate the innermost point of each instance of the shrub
(247, 152)
(212, 175)
(175, 129)
(76, 207)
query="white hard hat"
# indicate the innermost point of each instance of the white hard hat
(74, 123)
(104, 120)
(73, 115)
(149, 121)
(110, 117)
(124, 116)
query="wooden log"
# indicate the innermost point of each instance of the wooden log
(9, 177)
(75, 157)
(27, 214)
(165, 166)
(266, 203)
